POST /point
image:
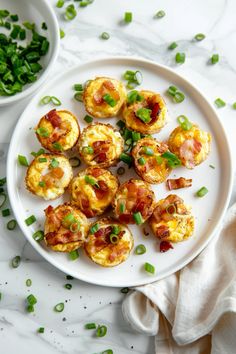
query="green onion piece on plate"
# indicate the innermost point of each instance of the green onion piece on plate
(184, 122)
(101, 331)
(199, 37)
(149, 268)
(90, 326)
(78, 96)
(3, 198)
(11, 225)
(30, 220)
(59, 307)
(16, 262)
(78, 87)
(38, 235)
(73, 255)
(138, 218)
(214, 58)
(62, 33)
(140, 249)
(180, 58)
(121, 171)
(126, 158)
(28, 282)
(94, 229)
(172, 160)
(23, 160)
(128, 17)
(55, 101)
(45, 100)
(105, 35)
(172, 46)
(60, 3)
(219, 103)
(6, 212)
(124, 290)
(202, 192)
(41, 330)
(68, 286)
(88, 119)
(160, 14)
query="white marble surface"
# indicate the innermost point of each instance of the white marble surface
(145, 37)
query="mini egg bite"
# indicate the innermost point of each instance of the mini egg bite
(48, 176)
(191, 146)
(133, 202)
(93, 190)
(58, 131)
(103, 97)
(65, 228)
(172, 219)
(148, 163)
(155, 108)
(109, 242)
(100, 144)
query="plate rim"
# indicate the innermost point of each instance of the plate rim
(210, 107)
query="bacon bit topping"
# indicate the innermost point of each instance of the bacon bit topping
(103, 232)
(96, 172)
(57, 172)
(126, 218)
(53, 118)
(101, 157)
(188, 150)
(178, 183)
(165, 246)
(54, 238)
(162, 231)
(155, 111)
(102, 190)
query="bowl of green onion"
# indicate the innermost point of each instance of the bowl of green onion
(29, 46)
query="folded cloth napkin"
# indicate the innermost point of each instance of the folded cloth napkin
(194, 310)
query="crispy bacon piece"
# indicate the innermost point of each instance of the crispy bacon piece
(162, 231)
(103, 232)
(117, 251)
(57, 237)
(188, 150)
(155, 112)
(165, 246)
(177, 183)
(96, 172)
(101, 157)
(53, 118)
(126, 218)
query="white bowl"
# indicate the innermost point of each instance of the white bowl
(36, 11)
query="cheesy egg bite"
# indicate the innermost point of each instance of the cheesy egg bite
(65, 228)
(58, 131)
(145, 112)
(109, 242)
(100, 144)
(172, 219)
(103, 97)
(93, 190)
(48, 176)
(148, 163)
(192, 146)
(134, 202)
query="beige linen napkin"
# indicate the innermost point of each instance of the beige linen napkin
(194, 310)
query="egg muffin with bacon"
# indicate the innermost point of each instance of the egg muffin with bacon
(93, 190)
(172, 219)
(103, 97)
(58, 131)
(134, 202)
(190, 144)
(109, 242)
(148, 161)
(145, 112)
(48, 176)
(65, 228)
(100, 144)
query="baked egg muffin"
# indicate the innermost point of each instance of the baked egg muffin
(109, 242)
(93, 190)
(100, 144)
(172, 219)
(191, 146)
(145, 112)
(58, 131)
(103, 97)
(134, 202)
(65, 228)
(48, 176)
(148, 161)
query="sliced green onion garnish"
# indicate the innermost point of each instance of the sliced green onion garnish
(60, 3)
(30, 308)
(133, 77)
(141, 161)
(219, 103)
(126, 158)
(122, 208)
(6, 212)
(180, 58)
(42, 184)
(172, 160)
(30, 220)
(136, 136)
(36, 154)
(78, 96)
(41, 330)
(134, 96)
(159, 160)
(212, 166)
(11, 225)
(69, 277)
(73, 255)
(16, 262)
(59, 307)
(128, 16)
(138, 218)
(94, 229)
(75, 161)
(44, 26)
(31, 299)
(67, 220)
(88, 119)
(147, 151)
(57, 146)
(14, 18)
(160, 14)
(115, 229)
(91, 181)
(55, 101)
(184, 122)
(108, 351)
(4, 13)
(215, 58)
(179, 97)
(90, 326)
(28, 282)
(101, 331)
(88, 150)
(78, 87)
(120, 124)
(124, 290)
(54, 163)
(114, 239)
(70, 13)
(23, 160)
(129, 142)
(68, 286)
(0, 296)
(105, 35)
(109, 100)
(62, 33)
(201, 192)
(45, 100)
(75, 226)
(3, 198)
(140, 249)
(234, 105)
(144, 114)
(43, 132)
(149, 268)
(199, 36)
(173, 45)
(172, 90)
(120, 171)
(3, 181)
(38, 235)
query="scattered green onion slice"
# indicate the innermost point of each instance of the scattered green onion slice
(31, 299)
(234, 105)
(0, 296)
(147, 151)
(144, 114)
(3, 198)
(75, 161)
(184, 122)
(55, 101)
(134, 96)
(29, 26)
(30, 308)
(141, 161)
(88, 119)
(41, 330)
(105, 35)
(70, 13)
(6, 212)
(36, 154)
(78, 96)
(140, 249)
(28, 282)
(120, 171)
(60, 3)
(44, 26)
(59, 307)
(57, 146)
(136, 136)
(3, 181)
(94, 228)
(90, 326)
(199, 36)
(219, 103)
(128, 17)
(108, 351)
(88, 150)
(215, 58)
(109, 100)
(202, 192)
(30, 220)
(11, 225)
(43, 132)
(114, 239)
(68, 286)
(23, 160)
(179, 97)
(180, 58)
(173, 45)
(14, 18)
(138, 218)
(101, 331)
(133, 77)
(62, 33)
(69, 277)
(115, 229)
(42, 184)
(45, 100)
(38, 235)
(149, 268)
(16, 262)
(124, 290)
(122, 208)
(67, 220)
(73, 255)
(126, 158)
(91, 181)
(160, 14)
(4, 13)
(212, 166)
(172, 90)
(172, 160)
(78, 87)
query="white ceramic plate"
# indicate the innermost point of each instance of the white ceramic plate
(34, 11)
(208, 210)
